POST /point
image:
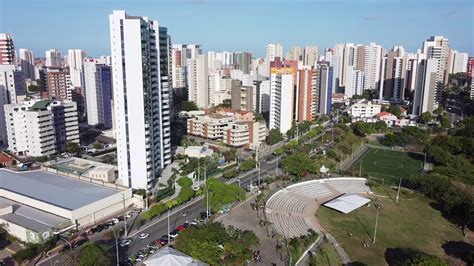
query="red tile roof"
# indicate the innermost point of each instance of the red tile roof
(4, 158)
(383, 114)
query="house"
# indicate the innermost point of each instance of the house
(387, 117)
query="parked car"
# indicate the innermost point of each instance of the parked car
(151, 245)
(143, 236)
(191, 222)
(174, 234)
(181, 228)
(163, 240)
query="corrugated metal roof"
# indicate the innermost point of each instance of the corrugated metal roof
(61, 191)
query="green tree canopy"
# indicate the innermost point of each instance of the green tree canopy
(247, 165)
(380, 126)
(93, 254)
(395, 110)
(73, 148)
(189, 106)
(274, 136)
(426, 117)
(212, 243)
(221, 194)
(362, 128)
(298, 164)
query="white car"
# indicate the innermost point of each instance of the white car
(173, 235)
(191, 222)
(143, 236)
(125, 242)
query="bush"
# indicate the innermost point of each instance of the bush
(185, 194)
(154, 211)
(185, 182)
(230, 173)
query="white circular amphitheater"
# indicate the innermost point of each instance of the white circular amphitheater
(291, 210)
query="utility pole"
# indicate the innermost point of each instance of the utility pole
(124, 217)
(257, 165)
(116, 247)
(169, 225)
(376, 221)
(398, 192)
(207, 191)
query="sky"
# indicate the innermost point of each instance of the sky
(245, 25)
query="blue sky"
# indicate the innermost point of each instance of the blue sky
(245, 25)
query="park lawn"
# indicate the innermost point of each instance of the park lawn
(326, 255)
(388, 165)
(411, 224)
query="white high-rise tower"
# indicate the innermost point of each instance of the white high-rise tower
(140, 51)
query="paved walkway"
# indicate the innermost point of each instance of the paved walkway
(243, 217)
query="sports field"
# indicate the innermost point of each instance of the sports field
(388, 165)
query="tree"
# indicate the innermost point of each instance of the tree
(214, 244)
(361, 128)
(380, 126)
(97, 145)
(221, 194)
(438, 111)
(34, 88)
(189, 106)
(93, 254)
(445, 121)
(227, 103)
(185, 182)
(298, 164)
(274, 136)
(247, 165)
(426, 117)
(395, 110)
(73, 148)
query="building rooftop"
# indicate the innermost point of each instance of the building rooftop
(61, 191)
(40, 104)
(31, 218)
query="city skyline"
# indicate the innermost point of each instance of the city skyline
(364, 24)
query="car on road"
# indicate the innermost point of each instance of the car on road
(125, 242)
(143, 236)
(151, 245)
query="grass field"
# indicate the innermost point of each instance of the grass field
(413, 223)
(326, 255)
(388, 165)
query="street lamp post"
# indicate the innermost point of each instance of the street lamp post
(124, 217)
(116, 246)
(399, 186)
(376, 221)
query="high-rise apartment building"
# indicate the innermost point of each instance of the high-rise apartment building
(281, 99)
(310, 55)
(437, 47)
(304, 96)
(459, 62)
(7, 49)
(75, 61)
(295, 53)
(98, 88)
(263, 96)
(41, 127)
(324, 88)
(12, 84)
(242, 61)
(273, 50)
(58, 83)
(426, 86)
(198, 81)
(241, 96)
(53, 58)
(394, 71)
(27, 63)
(140, 50)
(372, 66)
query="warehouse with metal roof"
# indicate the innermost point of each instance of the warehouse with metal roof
(36, 204)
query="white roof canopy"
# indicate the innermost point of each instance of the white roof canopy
(347, 203)
(323, 169)
(171, 257)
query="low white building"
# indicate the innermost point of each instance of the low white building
(365, 109)
(198, 151)
(34, 205)
(41, 127)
